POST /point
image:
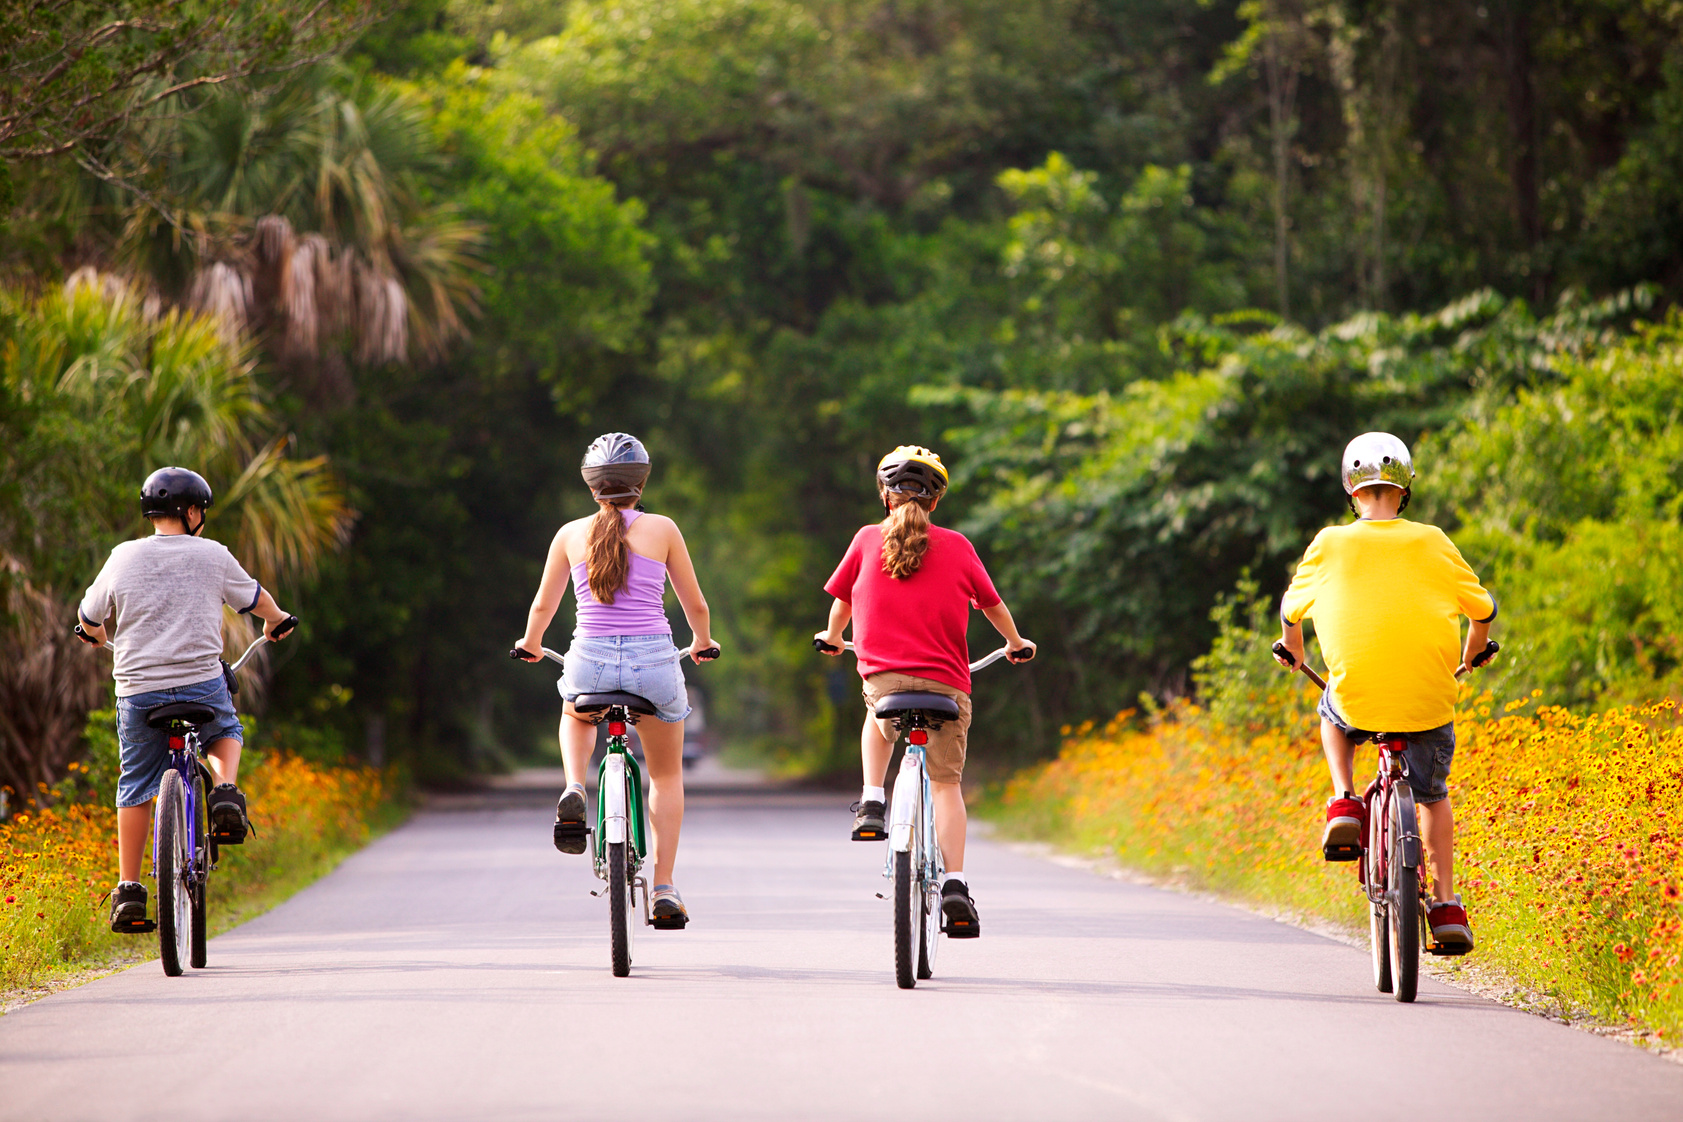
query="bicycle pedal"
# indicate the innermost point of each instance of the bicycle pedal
(1341, 852)
(869, 834)
(1448, 950)
(572, 837)
(220, 840)
(137, 927)
(669, 923)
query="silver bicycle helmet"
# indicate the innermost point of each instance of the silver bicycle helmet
(616, 465)
(1377, 459)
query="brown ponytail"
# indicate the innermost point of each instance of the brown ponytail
(607, 555)
(905, 537)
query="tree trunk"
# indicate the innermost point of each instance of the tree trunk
(49, 682)
(1281, 74)
(1522, 121)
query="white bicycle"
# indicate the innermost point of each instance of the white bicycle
(914, 867)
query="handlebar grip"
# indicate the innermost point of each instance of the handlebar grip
(83, 635)
(1490, 651)
(708, 653)
(1027, 654)
(286, 626)
(520, 654)
(822, 647)
(1282, 651)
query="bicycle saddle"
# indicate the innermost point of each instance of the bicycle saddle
(190, 712)
(596, 702)
(936, 705)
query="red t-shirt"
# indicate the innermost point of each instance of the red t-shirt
(916, 625)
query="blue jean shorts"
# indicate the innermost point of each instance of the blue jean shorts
(144, 751)
(1426, 759)
(646, 665)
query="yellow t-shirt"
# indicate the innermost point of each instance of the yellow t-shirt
(1387, 598)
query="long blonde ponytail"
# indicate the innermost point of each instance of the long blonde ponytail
(607, 555)
(905, 537)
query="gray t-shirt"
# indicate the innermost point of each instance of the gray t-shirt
(167, 592)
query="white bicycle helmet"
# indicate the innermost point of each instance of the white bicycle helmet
(615, 467)
(1376, 459)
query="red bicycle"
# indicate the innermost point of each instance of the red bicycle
(1389, 865)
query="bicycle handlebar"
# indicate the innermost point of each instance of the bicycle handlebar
(1491, 649)
(822, 647)
(560, 660)
(286, 627)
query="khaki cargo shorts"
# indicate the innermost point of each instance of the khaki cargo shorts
(945, 753)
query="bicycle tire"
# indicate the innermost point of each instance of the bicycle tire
(1373, 884)
(175, 908)
(200, 880)
(1404, 902)
(906, 933)
(619, 918)
(929, 930)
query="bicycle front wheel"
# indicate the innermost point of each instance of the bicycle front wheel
(908, 909)
(619, 911)
(175, 875)
(1404, 900)
(199, 882)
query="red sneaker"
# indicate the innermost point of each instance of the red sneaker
(1448, 921)
(1346, 822)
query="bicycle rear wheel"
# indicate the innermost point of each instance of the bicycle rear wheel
(175, 876)
(929, 928)
(1404, 899)
(200, 880)
(619, 911)
(1373, 883)
(907, 911)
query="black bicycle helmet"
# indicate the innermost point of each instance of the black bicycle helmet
(171, 490)
(913, 470)
(616, 465)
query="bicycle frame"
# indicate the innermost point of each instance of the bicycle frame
(912, 820)
(1385, 797)
(620, 811)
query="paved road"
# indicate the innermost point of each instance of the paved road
(457, 969)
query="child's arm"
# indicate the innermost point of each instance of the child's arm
(681, 570)
(1478, 633)
(841, 613)
(1291, 634)
(271, 614)
(1000, 616)
(551, 588)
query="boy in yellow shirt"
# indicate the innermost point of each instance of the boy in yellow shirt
(1387, 596)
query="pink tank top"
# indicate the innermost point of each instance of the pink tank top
(637, 608)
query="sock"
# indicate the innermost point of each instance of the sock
(570, 786)
(136, 883)
(955, 874)
(874, 794)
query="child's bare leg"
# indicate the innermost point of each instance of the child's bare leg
(224, 758)
(134, 826)
(578, 744)
(663, 760)
(950, 824)
(1341, 757)
(1437, 822)
(876, 744)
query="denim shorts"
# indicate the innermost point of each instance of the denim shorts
(144, 751)
(1426, 759)
(646, 665)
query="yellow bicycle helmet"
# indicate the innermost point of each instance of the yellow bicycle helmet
(913, 470)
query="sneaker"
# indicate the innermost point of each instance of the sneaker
(1450, 929)
(870, 824)
(668, 907)
(228, 820)
(128, 908)
(571, 828)
(958, 911)
(1346, 824)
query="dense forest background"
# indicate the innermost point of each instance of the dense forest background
(1137, 269)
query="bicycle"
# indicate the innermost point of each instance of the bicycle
(619, 842)
(1389, 865)
(183, 852)
(914, 866)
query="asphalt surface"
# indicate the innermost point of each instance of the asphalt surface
(458, 969)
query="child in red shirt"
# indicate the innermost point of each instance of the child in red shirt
(907, 587)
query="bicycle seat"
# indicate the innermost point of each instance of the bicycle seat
(937, 705)
(190, 712)
(596, 702)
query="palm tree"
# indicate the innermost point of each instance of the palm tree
(140, 385)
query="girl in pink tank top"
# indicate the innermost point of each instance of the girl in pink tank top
(619, 562)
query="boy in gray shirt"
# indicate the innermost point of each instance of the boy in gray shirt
(163, 598)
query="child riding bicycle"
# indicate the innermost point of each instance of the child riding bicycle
(163, 596)
(907, 587)
(1386, 595)
(619, 560)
